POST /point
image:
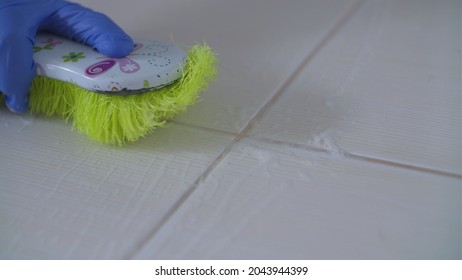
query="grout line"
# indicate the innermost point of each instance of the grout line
(172, 210)
(352, 10)
(242, 133)
(407, 166)
(204, 128)
(361, 158)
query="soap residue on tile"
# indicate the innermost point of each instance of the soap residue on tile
(26, 121)
(327, 141)
(16, 120)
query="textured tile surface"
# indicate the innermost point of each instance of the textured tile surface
(272, 201)
(65, 197)
(259, 44)
(333, 131)
(386, 86)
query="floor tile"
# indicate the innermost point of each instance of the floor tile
(269, 201)
(386, 86)
(62, 196)
(259, 44)
(359, 155)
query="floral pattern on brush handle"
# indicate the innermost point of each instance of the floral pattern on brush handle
(126, 65)
(151, 64)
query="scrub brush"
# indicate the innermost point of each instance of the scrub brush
(117, 100)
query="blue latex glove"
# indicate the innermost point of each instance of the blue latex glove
(20, 20)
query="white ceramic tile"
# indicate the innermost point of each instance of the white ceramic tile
(62, 196)
(259, 44)
(387, 86)
(270, 201)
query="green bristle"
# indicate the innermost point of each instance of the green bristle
(119, 119)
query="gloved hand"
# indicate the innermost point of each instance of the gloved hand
(20, 20)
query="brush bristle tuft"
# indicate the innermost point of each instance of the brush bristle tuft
(117, 120)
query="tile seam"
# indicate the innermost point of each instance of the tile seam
(324, 41)
(242, 133)
(358, 157)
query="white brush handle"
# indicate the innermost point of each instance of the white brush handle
(152, 64)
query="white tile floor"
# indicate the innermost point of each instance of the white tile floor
(332, 132)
